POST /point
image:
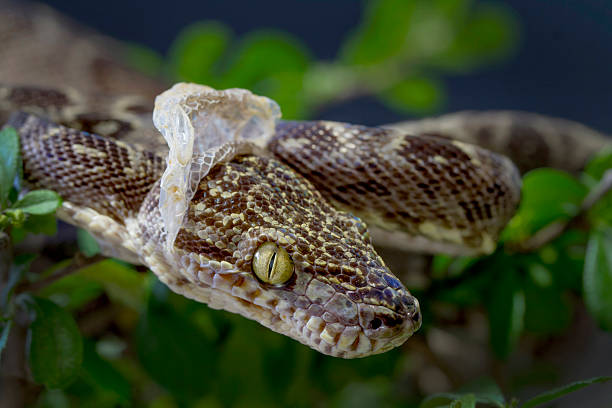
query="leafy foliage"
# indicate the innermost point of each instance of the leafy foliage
(56, 346)
(397, 54)
(150, 347)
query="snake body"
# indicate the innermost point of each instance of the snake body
(315, 195)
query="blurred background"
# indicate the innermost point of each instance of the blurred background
(370, 63)
(551, 57)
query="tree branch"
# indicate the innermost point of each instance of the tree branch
(78, 262)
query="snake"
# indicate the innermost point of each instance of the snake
(282, 233)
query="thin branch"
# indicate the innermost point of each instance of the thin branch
(6, 255)
(78, 262)
(556, 229)
(601, 189)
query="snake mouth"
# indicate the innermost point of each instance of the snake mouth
(377, 332)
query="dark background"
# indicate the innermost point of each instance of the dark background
(563, 66)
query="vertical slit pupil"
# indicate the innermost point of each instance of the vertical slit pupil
(271, 264)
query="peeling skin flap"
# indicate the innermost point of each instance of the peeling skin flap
(203, 127)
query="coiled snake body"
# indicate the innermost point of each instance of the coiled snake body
(311, 194)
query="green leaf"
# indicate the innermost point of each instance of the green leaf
(416, 94)
(597, 277)
(103, 375)
(56, 346)
(383, 33)
(144, 59)
(598, 165)
(484, 391)
(466, 401)
(601, 212)
(489, 34)
(36, 224)
(450, 400)
(39, 202)
(121, 283)
(72, 291)
(6, 329)
(547, 195)
(265, 54)
(197, 51)
(87, 244)
(168, 343)
(41, 224)
(287, 89)
(547, 310)
(9, 159)
(506, 309)
(559, 392)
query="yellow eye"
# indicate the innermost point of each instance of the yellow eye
(272, 264)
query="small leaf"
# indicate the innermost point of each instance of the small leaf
(35, 224)
(598, 165)
(9, 159)
(597, 278)
(56, 346)
(39, 202)
(87, 244)
(416, 94)
(6, 329)
(559, 392)
(486, 391)
(144, 59)
(466, 401)
(506, 309)
(383, 33)
(490, 34)
(547, 195)
(262, 55)
(121, 283)
(450, 400)
(197, 51)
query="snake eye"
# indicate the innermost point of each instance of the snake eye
(272, 264)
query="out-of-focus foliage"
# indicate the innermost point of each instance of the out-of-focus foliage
(399, 53)
(138, 344)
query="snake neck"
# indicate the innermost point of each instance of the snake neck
(108, 176)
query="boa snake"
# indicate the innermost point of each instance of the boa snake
(278, 238)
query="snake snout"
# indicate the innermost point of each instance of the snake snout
(389, 314)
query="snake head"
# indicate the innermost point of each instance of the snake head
(260, 240)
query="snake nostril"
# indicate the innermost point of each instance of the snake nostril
(375, 323)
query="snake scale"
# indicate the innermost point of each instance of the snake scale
(283, 238)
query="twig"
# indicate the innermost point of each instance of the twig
(78, 262)
(555, 229)
(6, 256)
(600, 190)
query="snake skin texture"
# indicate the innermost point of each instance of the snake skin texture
(342, 299)
(415, 181)
(447, 196)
